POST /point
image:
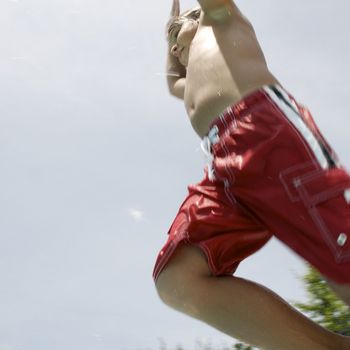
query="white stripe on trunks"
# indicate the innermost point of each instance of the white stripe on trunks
(292, 114)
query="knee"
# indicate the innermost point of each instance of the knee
(180, 284)
(182, 279)
(175, 289)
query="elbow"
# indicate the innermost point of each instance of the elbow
(177, 88)
(176, 93)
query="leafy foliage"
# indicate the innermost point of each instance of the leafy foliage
(241, 346)
(208, 346)
(323, 306)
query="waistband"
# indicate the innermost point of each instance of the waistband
(244, 106)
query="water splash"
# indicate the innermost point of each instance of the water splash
(168, 74)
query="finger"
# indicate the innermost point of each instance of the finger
(175, 10)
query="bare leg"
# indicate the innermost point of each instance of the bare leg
(342, 291)
(239, 308)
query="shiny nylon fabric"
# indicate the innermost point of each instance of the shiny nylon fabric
(223, 232)
(268, 178)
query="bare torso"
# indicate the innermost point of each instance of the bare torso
(225, 64)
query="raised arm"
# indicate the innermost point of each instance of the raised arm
(176, 72)
(217, 10)
(176, 75)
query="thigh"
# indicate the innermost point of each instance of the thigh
(187, 260)
(282, 170)
(177, 281)
(222, 232)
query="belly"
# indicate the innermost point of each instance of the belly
(205, 102)
(204, 108)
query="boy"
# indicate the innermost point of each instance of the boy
(270, 171)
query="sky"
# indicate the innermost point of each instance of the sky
(96, 156)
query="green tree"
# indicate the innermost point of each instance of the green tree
(323, 306)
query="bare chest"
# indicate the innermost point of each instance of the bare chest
(224, 65)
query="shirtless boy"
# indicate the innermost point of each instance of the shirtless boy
(270, 172)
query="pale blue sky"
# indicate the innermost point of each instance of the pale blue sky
(96, 156)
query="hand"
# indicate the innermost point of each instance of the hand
(175, 10)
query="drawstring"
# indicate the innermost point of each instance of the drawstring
(206, 144)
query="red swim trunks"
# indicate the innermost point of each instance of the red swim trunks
(271, 172)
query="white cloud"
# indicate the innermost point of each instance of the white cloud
(136, 214)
